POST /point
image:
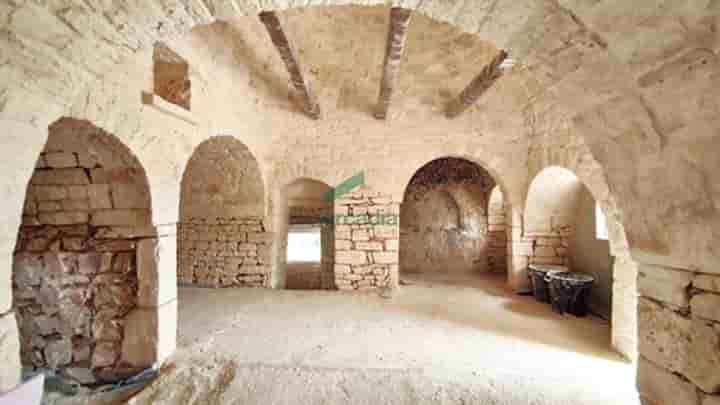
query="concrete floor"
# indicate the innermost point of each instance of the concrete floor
(461, 340)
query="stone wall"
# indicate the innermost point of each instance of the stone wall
(224, 252)
(679, 336)
(366, 241)
(498, 232)
(75, 275)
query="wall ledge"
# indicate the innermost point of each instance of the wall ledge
(166, 107)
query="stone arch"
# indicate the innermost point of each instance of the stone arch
(307, 206)
(84, 271)
(445, 211)
(223, 238)
(550, 216)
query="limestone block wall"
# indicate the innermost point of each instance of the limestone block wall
(75, 266)
(224, 252)
(497, 253)
(679, 336)
(366, 241)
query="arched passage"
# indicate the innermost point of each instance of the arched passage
(444, 219)
(310, 237)
(223, 239)
(81, 272)
(564, 224)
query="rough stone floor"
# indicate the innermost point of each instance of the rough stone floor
(452, 341)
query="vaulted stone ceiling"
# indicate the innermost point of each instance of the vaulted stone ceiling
(341, 52)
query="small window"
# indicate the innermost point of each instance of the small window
(601, 231)
(304, 245)
(171, 76)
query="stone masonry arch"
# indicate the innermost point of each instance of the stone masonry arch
(85, 266)
(223, 238)
(553, 194)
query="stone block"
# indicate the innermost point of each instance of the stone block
(392, 244)
(350, 257)
(703, 360)
(58, 353)
(706, 306)
(132, 218)
(369, 246)
(105, 354)
(109, 329)
(60, 160)
(342, 244)
(77, 192)
(121, 174)
(385, 257)
(666, 285)
(125, 232)
(28, 270)
(664, 336)
(707, 282)
(48, 193)
(75, 176)
(386, 231)
(711, 400)
(58, 264)
(130, 196)
(63, 218)
(360, 235)
(49, 206)
(150, 335)
(660, 386)
(260, 237)
(343, 232)
(99, 196)
(75, 205)
(545, 251)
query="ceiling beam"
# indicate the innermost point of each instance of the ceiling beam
(278, 38)
(399, 22)
(478, 86)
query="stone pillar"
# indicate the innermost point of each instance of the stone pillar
(367, 231)
(624, 307)
(678, 336)
(518, 253)
(151, 328)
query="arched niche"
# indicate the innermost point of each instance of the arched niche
(444, 219)
(223, 238)
(82, 280)
(565, 224)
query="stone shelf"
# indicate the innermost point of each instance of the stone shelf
(160, 104)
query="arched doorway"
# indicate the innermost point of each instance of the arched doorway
(310, 236)
(564, 224)
(223, 239)
(445, 221)
(80, 260)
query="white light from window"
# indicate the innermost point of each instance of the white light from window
(601, 231)
(304, 245)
